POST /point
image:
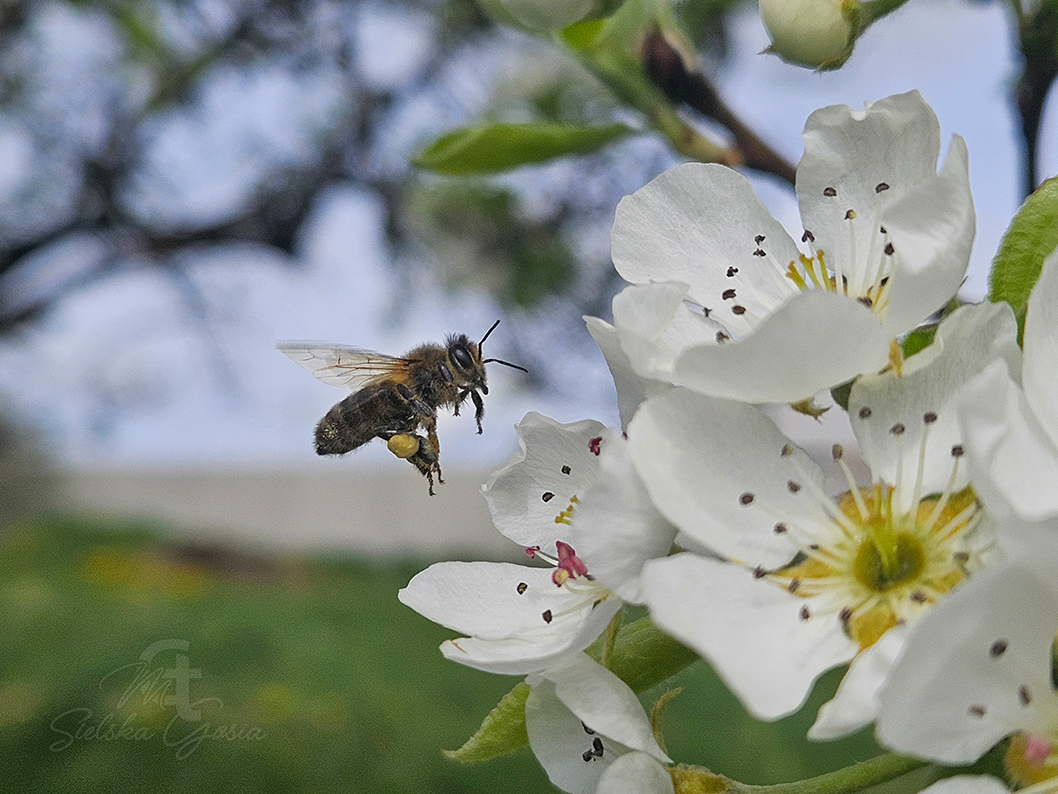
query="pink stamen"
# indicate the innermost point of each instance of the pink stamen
(595, 445)
(531, 551)
(570, 565)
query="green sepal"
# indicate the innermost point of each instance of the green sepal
(491, 148)
(642, 656)
(501, 732)
(1032, 235)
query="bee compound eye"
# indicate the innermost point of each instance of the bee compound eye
(462, 358)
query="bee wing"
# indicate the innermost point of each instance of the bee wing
(339, 365)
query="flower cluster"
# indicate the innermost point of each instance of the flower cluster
(925, 557)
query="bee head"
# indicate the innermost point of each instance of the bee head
(465, 356)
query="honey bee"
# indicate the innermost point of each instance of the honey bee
(396, 398)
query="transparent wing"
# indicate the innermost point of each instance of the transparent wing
(340, 365)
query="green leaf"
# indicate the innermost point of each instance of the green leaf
(502, 732)
(491, 148)
(1032, 235)
(642, 657)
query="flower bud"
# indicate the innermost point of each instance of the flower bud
(816, 33)
(548, 14)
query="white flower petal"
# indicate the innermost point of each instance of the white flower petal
(528, 652)
(932, 230)
(616, 526)
(635, 773)
(750, 630)
(967, 784)
(696, 223)
(559, 741)
(1013, 464)
(814, 341)
(715, 469)
(604, 703)
(655, 325)
(976, 667)
(482, 598)
(848, 156)
(966, 342)
(1041, 349)
(855, 704)
(527, 492)
(632, 389)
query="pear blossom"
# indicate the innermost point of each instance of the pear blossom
(588, 730)
(1011, 425)
(520, 619)
(809, 581)
(887, 237)
(980, 668)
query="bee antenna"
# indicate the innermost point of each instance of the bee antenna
(486, 336)
(505, 363)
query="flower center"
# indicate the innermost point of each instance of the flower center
(1032, 760)
(871, 563)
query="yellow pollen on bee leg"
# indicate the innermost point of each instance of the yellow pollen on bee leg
(403, 445)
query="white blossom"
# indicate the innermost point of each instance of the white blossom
(809, 581)
(887, 238)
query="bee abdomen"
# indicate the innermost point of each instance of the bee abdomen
(342, 430)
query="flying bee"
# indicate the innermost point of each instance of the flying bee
(396, 398)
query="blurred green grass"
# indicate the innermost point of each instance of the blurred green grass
(323, 679)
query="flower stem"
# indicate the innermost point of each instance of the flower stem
(844, 781)
(873, 10)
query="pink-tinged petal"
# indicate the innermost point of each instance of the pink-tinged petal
(717, 470)
(635, 773)
(604, 703)
(862, 161)
(932, 230)
(755, 635)
(1041, 349)
(533, 488)
(1014, 465)
(855, 704)
(977, 666)
(702, 224)
(617, 528)
(533, 650)
(922, 400)
(632, 388)
(815, 341)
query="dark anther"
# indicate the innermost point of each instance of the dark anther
(837, 452)
(731, 272)
(566, 469)
(794, 487)
(808, 237)
(829, 192)
(547, 496)
(760, 252)
(897, 429)
(787, 450)
(805, 614)
(929, 417)
(794, 584)
(746, 498)
(728, 294)
(866, 301)
(1024, 696)
(977, 711)
(880, 187)
(780, 529)
(919, 597)
(587, 730)
(888, 249)
(850, 215)
(845, 615)
(522, 587)
(738, 309)
(865, 413)
(957, 451)
(998, 648)
(596, 744)
(595, 445)
(758, 239)
(547, 616)
(722, 337)
(759, 572)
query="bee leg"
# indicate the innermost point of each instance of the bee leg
(425, 460)
(479, 409)
(416, 404)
